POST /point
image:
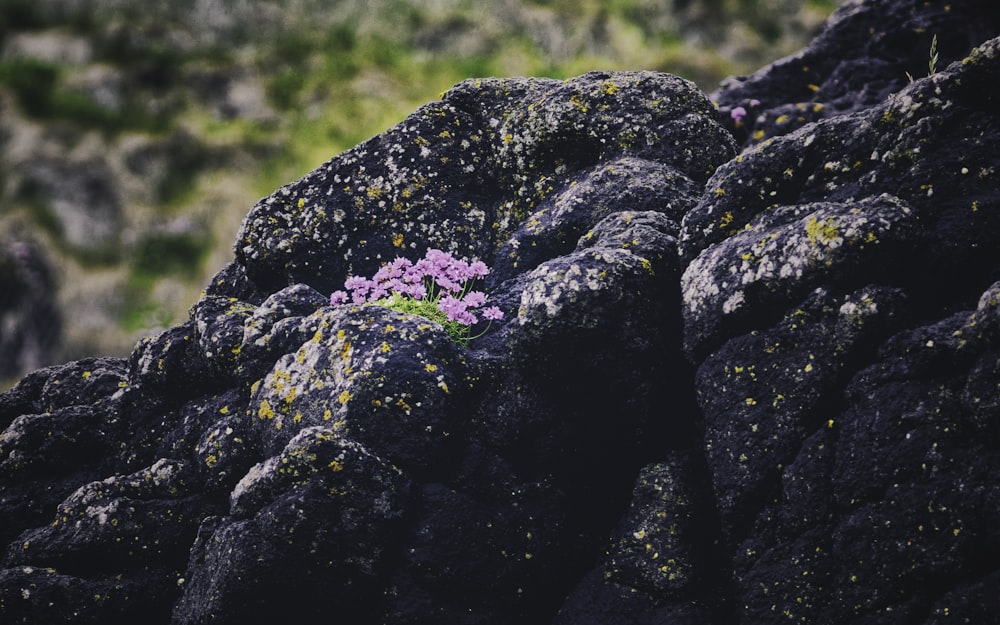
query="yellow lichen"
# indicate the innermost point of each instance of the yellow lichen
(265, 411)
(824, 231)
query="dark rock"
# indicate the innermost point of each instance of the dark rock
(866, 51)
(82, 383)
(280, 325)
(838, 427)
(727, 389)
(759, 228)
(307, 435)
(391, 381)
(219, 329)
(658, 549)
(232, 281)
(308, 528)
(564, 217)
(462, 174)
(30, 595)
(64, 435)
(160, 365)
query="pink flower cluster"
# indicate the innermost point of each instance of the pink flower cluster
(436, 279)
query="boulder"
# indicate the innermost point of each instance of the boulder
(280, 439)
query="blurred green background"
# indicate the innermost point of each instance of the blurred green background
(136, 134)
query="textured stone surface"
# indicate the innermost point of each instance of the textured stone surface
(462, 174)
(866, 51)
(729, 388)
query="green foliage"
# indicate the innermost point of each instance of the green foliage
(32, 83)
(284, 87)
(36, 87)
(932, 61)
(160, 254)
(429, 310)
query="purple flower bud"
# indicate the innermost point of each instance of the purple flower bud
(337, 298)
(738, 114)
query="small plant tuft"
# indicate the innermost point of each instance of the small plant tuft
(932, 61)
(438, 287)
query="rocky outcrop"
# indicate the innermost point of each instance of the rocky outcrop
(865, 52)
(729, 387)
(292, 447)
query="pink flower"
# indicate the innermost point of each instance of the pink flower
(456, 310)
(478, 269)
(438, 284)
(738, 114)
(492, 313)
(474, 299)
